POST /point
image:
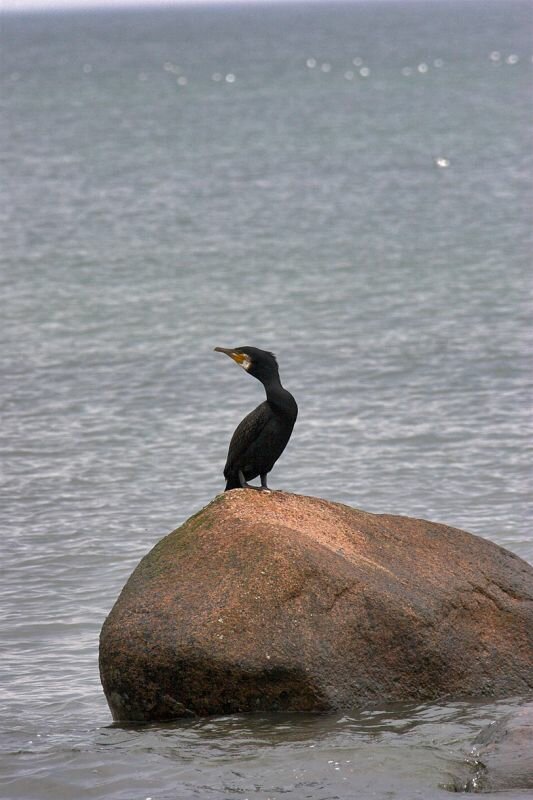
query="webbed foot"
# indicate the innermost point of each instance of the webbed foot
(264, 487)
(246, 485)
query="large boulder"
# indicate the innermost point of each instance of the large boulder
(272, 601)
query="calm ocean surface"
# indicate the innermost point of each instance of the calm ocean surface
(349, 186)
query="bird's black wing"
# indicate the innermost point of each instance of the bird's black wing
(246, 433)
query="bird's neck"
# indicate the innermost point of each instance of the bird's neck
(278, 397)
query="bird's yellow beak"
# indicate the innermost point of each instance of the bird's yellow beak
(238, 357)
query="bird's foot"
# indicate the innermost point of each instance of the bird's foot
(264, 487)
(246, 485)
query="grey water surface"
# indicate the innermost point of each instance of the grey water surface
(346, 185)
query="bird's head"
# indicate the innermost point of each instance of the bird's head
(259, 363)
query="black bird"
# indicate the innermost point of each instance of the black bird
(261, 437)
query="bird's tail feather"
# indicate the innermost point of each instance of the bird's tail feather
(232, 483)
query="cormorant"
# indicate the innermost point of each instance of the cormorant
(261, 437)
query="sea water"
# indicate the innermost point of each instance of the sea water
(346, 185)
